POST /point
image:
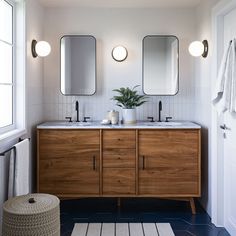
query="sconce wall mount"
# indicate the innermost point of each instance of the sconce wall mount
(41, 48)
(206, 46)
(198, 48)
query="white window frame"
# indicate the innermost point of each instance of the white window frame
(13, 125)
(18, 127)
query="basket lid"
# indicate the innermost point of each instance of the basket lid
(31, 204)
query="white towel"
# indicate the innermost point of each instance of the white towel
(19, 170)
(11, 180)
(224, 97)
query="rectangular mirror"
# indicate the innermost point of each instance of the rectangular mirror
(160, 65)
(78, 65)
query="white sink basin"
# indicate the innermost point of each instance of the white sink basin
(170, 123)
(83, 123)
(72, 123)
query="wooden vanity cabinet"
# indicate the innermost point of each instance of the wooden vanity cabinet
(69, 162)
(169, 163)
(120, 162)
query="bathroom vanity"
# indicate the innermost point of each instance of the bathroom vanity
(142, 160)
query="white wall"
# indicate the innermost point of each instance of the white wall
(128, 27)
(32, 22)
(34, 78)
(112, 27)
(203, 95)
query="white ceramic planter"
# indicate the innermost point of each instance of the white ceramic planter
(129, 116)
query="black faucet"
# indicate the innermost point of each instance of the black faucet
(77, 110)
(160, 109)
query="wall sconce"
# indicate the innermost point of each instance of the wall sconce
(198, 48)
(41, 48)
(119, 53)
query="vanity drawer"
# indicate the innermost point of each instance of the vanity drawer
(119, 158)
(79, 138)
(118, 181)
(119, 139)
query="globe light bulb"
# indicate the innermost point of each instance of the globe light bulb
(119, 53)
(196, 48)
(42, 48)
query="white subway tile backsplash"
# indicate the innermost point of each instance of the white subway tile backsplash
(57, 106)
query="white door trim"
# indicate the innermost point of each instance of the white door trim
(217, 182)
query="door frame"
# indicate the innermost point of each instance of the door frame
(217, 173)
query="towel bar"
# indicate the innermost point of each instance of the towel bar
(13, 147)
(9, 149)
(22, 139)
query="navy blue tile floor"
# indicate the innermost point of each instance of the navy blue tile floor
(177, 213)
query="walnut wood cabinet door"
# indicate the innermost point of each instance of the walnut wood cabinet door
(68, 162)
(169, 163)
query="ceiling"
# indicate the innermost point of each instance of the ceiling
(121, 3)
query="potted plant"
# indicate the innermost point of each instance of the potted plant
(129, 99)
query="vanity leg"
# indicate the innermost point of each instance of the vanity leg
(118, 202)
(192, 204)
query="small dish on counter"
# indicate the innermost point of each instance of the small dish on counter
(105, 122)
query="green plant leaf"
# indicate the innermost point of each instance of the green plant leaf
(129, 98)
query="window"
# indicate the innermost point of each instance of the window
(7, 64)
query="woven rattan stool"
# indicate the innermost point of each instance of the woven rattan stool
(32, 215)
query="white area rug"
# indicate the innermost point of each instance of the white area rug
(122, 229)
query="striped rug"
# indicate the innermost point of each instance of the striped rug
(122, 229)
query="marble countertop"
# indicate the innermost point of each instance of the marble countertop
(138, 125)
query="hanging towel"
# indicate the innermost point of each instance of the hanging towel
(4, 167)
(11, 180)
(224, 97)
(233, 88)
(19, 170)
